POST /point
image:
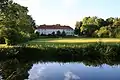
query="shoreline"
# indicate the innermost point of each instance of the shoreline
(91, 51)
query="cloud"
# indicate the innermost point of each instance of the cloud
(36, 72)
(70, 76)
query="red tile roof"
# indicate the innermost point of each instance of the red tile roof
(53, 27)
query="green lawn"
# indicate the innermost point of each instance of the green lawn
(71, 41)
(75, 40)
(2, 45)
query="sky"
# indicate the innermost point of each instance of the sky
(67, 12)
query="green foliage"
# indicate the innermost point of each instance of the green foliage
(117, 32)
(37, 33)
(95, 51)
(103, 32)
(2, 40)
(93, 27)
(63, 33)
(53, 33)
(100, 22)
(110, 21)
(58, 33)
(34, 36)
(77, 27)
(13, 69)
(88, 29)
(116, 23)
(10, 35)
(15, 24)
(3, 4)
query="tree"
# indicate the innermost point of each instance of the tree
(58, 33)
(103, 32)
(14, 69)
(37, 33)
(100, 22)
(116, 32)
(3, 4)
(116, 23)
(77, 27)
(53, 33)
(94, 26)
(90, 24)
(89, 20)
(110, 21)
(88, 30)
(63, 33)
(10, 35)
(15, 17)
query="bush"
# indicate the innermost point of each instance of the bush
(33, 36)
(7, 41)
(103, 32)
(37, 33)
(11, 36)
(63, 33)
(2, 40)
(117, 35)
(97, 51)
(58, 33)
(24, 36)
(53, 33)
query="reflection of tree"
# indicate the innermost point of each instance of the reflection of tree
(93, 62)
(14, 70)
(99, 62)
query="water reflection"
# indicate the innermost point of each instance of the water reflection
(52, 71)
(73, 71)
(69, 76)
(36, 72)
(15, 69)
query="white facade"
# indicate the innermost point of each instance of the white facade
(50, 31)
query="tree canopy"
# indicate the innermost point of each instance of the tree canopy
(15, 17)
(98, 27)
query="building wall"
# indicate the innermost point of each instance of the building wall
(49, 31)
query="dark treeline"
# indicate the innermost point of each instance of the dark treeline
(15, 24)
(98, 27)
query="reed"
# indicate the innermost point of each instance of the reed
(74, 52)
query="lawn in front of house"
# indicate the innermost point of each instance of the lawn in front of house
(69, 41)
(72, 41)
(2, 45)
(75, 40)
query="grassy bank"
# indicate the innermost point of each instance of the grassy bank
(96, 51)
(48, 48)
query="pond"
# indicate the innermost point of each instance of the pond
(73, 71)
(54, 70)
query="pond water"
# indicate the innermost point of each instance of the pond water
(15, 69)
(72, 71)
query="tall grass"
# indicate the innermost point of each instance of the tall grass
(94, 51)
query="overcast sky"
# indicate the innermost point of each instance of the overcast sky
(67, 12)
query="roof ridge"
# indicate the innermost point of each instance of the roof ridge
(54, 27)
